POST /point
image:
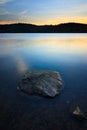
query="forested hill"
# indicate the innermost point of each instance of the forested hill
(30, 28)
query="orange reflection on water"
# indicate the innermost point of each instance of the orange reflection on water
(60, 43)
(63, 45)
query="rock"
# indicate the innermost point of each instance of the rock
(44, 83)
(78, 113)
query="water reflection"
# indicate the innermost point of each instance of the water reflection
(21, 64)
(28, 50)
(66, 53)
(60, 43)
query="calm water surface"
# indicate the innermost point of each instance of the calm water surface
(66, 53)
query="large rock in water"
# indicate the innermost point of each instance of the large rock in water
(44, 83)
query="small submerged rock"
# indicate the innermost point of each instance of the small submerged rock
(78, 113)
(44, 83)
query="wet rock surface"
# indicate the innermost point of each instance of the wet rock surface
(77, 113)
(43, 83)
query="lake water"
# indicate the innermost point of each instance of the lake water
(66, 53)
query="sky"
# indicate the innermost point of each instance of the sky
(42, 12)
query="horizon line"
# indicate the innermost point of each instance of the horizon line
(42, 24)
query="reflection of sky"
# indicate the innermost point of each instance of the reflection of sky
(66, 43)
(43, 11)
(42, 49)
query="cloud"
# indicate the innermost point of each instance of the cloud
(76, 14)
(24, 12)
(4, 1)
(4, 12)
(22, 16)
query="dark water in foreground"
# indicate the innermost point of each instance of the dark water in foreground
(66, 53)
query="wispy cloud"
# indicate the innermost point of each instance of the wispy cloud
(43, 12)
(4, 12)
(4, 1)
(22, 16)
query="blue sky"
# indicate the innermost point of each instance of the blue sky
(43, 11)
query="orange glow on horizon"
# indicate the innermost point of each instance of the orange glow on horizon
(60, 20)
(7, 22)
(50, 21)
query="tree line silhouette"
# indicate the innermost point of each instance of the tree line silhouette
(31, 28)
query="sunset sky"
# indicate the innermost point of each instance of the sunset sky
(43, 11)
